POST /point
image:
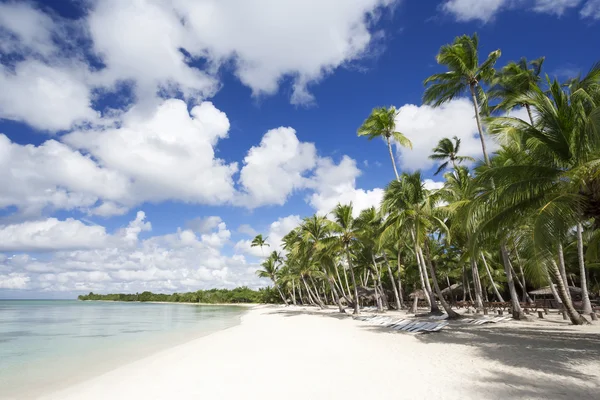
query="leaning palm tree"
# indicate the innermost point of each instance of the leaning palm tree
(412, 207)
(447, 152)
(269, 270)
(515, 80)
(344, 226)
(258, 241)
(465, 74)
(382, 123)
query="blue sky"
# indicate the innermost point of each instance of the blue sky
(144, 143)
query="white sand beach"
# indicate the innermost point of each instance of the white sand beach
(295, 353)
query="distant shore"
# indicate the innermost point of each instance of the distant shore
(250, 305)
(298, 353)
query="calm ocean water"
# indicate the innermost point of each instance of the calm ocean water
(50, 344)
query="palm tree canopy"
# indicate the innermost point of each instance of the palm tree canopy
(447, 151)
(464, 70)
(382, 123)
(258, 241)
(515, 80)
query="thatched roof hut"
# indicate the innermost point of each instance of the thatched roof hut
(455, 288)
(546, 291)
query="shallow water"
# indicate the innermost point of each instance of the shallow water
(48, 344)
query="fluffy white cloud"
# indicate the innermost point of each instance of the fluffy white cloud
(336, 183)
(51, 234)
(179, 261)
(247, 230)
(169, 48)
(486, 10)
(204, 224)
(277, 230)
(33, 178)
(168, 155)
(46, 97)
(425, 126)
(275, 168)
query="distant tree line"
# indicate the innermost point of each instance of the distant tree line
(213, 296)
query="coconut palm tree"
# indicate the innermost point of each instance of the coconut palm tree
(514, 81)
(412, 207)
(447, 152)
(382, 124)
(346, 230)
(258, 241)
(465, 74)
(269, 270)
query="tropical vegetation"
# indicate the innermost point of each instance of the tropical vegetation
(525, 216)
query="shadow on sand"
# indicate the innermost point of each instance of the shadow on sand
(554, 352)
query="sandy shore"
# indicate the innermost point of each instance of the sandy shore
(295, 353)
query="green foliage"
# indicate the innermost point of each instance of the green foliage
(211, 296)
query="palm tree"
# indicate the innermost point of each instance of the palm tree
(346, 229)
(447, 152)
(465, 73)
(258, 241)
(514, 81)
(412, 207)
(382, 123)
(269, 270)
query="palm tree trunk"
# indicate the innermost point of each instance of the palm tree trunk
(585, 296)
(452, 298)
(389, 269)
(526, 298)
(356, 306)
(334, 292)
(476, 284)
(562, 268)
(517, 312)
(489, 274)
(308, 295)
(316, 293)
(399, 261)
(479, 126)
(574, 316)
(346, 279)
(282, 296)
(553, 290)
(340, 284)
(293, 293)
(528, 108)
(451, 313)
(429, 292)
(464, 282)
(389, 144)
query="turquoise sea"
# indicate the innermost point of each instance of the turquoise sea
(49, 344)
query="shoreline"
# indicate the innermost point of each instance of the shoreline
(275, 348)
(43, 376)
(247, 305)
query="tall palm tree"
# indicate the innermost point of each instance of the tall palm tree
(514, 81)
(346, 229)
(447, 152)
(410, 206)
(382, 123)
(465, 74)
(258, 241)
(269, 270)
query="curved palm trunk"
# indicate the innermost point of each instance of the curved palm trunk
(553, 290)
(356, 306)
(562, 268)
(316, 293)
(334, 292)
(585, 296)
(389, 144)
(451, 313)
(517, 312)
(464, 282)
(399, 260)
(479, 126)
(476, 285)
(293, 292)
(340, 284)
(574, 316)
(282, 296)
(489, 274)
(429, 292)
(389, 269)
(311, 295)
(526, 298)
(528, 108)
